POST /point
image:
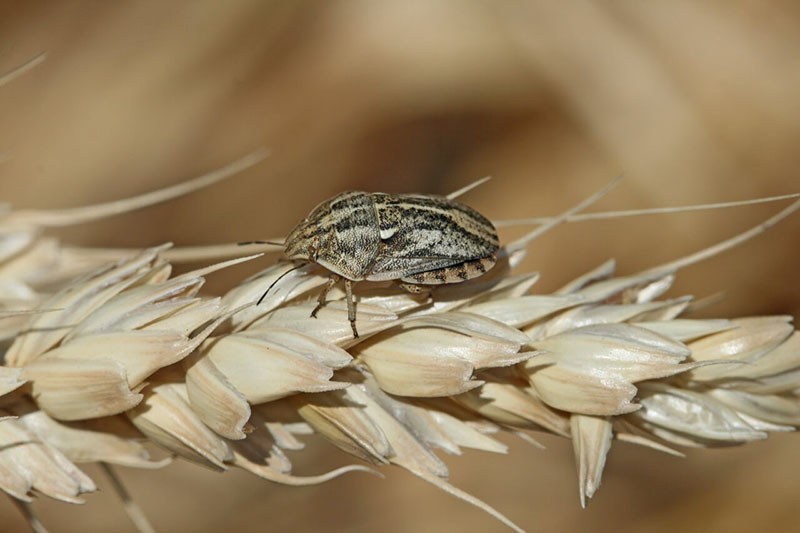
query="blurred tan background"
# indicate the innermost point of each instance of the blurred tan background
(692, 102)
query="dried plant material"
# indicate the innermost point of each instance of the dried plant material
(215, 399)
(605, 215)
(140, 352)
(685, 329)
(400, 446)
(79, 215)
(587, 315)
(341, 418)
(592, 370)
(77, 389)
(10, 379)
(780, 410)
(107, 440)
(774, 373)
(414, 455)
(75, 302)
(434, 361)
(748, 341)
(264, 371)
(127, 353)
(262, 453)
(27, 463)
(521, 311)
(166, 417)
(511, 405)
(441, 429)
(30, 262)
(13, 74)
(591, 441)
(625, 431)
(134, 512)
(93, 367)
(689, 418)
(327, 324)
(270, 474)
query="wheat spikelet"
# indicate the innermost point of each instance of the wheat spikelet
(107, 362)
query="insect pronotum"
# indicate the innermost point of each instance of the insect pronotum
(416, 239)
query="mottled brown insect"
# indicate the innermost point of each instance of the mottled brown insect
(416, 239)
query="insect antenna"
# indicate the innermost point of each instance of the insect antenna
(250, 243)
(276, 281)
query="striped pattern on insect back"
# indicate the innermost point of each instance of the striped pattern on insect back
(352, 235)
(340, 212)
(377, 236)
(423, 233)
(340, 234)
(404, 214)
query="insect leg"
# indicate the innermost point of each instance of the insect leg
(411, 287)
(351, 306)
(415, 289)
(332, 280)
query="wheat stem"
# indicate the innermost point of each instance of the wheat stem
(31, 518)
(133, 510)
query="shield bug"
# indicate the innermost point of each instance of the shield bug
(415, 239)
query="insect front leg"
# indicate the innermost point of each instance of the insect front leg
(351, 306)
(321, 300)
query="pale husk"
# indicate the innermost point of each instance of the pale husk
(122, 356)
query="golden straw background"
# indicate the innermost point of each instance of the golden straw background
(693, 102)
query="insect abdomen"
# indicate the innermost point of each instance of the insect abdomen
(453, 274)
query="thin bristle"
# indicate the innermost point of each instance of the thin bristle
(605, 215)
(81, 215)
(15, 73)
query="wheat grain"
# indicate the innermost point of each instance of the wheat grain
(126, 351)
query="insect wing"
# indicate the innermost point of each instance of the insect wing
(424, 233)
(390, 268)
